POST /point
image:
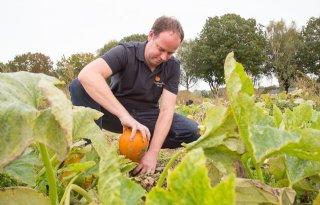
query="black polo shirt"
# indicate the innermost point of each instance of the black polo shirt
(133, 83)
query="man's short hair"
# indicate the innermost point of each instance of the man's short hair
(165, 23)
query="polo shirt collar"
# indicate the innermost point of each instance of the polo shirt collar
(140, 50)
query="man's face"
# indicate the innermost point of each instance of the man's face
(160, 48)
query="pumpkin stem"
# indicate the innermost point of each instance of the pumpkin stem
(168, 166)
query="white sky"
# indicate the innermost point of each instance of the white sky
(65, 27)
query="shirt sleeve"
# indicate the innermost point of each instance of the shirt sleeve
(116, 58)
(172, 83)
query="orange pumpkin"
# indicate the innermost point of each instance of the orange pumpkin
(134, 149)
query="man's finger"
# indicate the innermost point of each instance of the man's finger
(133, 133)
(137, 169)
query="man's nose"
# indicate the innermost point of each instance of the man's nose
(164, 56)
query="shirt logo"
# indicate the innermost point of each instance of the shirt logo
(158, 82)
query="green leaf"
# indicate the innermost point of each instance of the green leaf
(189, 183)
(25, 97)
(298, 169)
(83, 123)
(300, 117)
(130, 191)
(61, 111)
(22, 196)
(78, 167)
(254, 192)
(222, 158)
(219, 123)
(277, 116)
(267, 140)
(308, 147)
(24, 168)
(277, 167)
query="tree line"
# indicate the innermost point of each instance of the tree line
(279, 49)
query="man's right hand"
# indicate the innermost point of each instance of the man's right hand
(128, 121)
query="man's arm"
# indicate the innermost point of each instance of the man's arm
(92, 78)
(149, 161)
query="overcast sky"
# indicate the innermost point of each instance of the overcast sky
(65, 27)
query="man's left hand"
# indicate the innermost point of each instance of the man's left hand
(147, 164)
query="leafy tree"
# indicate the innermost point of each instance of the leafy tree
(310, 51)
(221, 35)
(284, 44)
(4, 68)
(114, 43)
(32, 62)
(69, 68)
(135, 37)
(184, 54)
(106, 47)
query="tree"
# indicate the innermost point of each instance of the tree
(221, 35)
(135, 37)
(4, 68)
(69, 68)
(184, 54)
(284, 44)
(310, 51)
(32, 62)
(114, 43)
(106, 47)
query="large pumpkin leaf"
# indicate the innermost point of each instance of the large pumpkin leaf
(24, 169)
(219, 123)
(61, 110)
(24, 97)
(298, 169)
(254, 192)
(268, 140)
(309, 145)
(22, 196)
(131, 192)
(16, 130)
(189, 183)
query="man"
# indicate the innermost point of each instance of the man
(140, 73)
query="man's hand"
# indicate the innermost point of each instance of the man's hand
(147, 164)
(128, 121)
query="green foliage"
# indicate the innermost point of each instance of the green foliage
(107, 47)
(69, 68)
(24, 169)
(22, 195)
(135, 37)
(4, 68)
(187, 79)
(31, 62)
(7, 181)
(310, 50)
(114, 43)
(189, 183)
(284, 44)
(32, 110)
(221, 35)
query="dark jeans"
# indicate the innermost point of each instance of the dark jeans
(182, 128)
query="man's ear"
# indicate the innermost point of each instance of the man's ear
(150, 35)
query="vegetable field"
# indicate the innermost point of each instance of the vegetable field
(251, 151)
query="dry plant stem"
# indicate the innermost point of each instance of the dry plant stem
(51, 177)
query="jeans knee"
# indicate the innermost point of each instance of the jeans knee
(194, 130)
